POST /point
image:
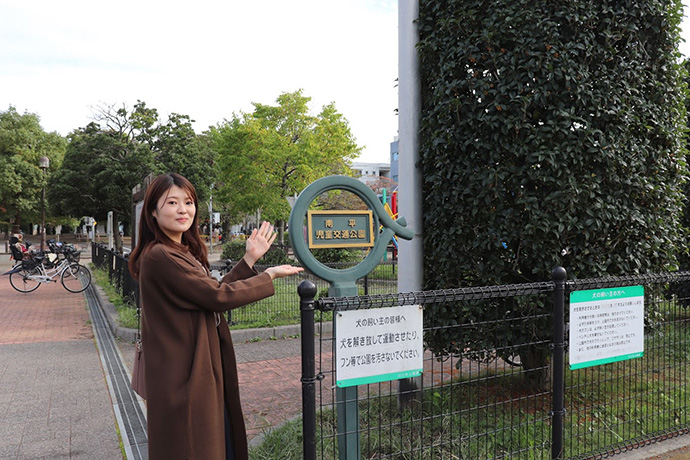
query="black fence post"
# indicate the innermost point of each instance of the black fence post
(558, 275)
(119, 284)
(111, 264)
(307, 292)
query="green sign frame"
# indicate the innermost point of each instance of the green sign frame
(343, 281)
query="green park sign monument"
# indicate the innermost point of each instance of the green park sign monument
(372, 229)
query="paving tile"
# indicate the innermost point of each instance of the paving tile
(9, 451)
(54, 402)
(52, 448)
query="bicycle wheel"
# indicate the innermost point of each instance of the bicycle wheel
(75, 278)
(23, 282)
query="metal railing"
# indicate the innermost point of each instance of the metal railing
(118, 272)
(496, 400)
(281, 308)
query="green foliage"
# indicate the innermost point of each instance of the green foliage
(275, 256)
(337, 255)
(276, 151)
(107, 158)
(177, 148)
(552, 134)
(234, 250)
(682, 290)
(22, 142)
(99, 171)
(126, 311)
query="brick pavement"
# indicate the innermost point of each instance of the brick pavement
(271, 393)
(54, 401)
(49, 314)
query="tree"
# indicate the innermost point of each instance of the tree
(276, 151)
(551, 135)
(177, 148)
(111, 155)
(22, 142)
(97, 176)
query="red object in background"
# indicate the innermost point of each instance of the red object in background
(394, 210)
(394, 203)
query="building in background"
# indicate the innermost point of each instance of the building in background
(371, 172)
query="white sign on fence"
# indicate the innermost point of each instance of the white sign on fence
(606, 325)
(378, 344)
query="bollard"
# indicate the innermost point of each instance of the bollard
(307, 292)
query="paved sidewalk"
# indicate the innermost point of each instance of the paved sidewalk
(54, 402)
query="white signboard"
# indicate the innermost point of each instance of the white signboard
(606, 325)
(378, 344)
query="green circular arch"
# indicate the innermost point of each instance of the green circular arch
(349, 276)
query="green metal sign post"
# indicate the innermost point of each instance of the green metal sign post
(343, 229)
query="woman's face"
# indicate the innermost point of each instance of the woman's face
(175, 213)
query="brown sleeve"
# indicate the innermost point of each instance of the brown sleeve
(184, 283)
(240, 271)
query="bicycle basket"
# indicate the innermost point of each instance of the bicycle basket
(73, 254)
(29, 264)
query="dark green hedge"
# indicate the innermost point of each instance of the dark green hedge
(552, 134)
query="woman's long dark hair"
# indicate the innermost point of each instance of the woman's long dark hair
(149, 231)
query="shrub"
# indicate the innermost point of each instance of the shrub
(234, 250)
(551, 134)
(337, 255)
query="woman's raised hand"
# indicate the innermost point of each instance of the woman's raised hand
(281, 271)
(258, 243)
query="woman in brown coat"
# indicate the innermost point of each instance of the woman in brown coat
(190, 378)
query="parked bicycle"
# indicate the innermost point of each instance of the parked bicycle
(28, 274)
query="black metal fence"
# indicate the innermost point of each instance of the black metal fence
(282, 308)
(485, 394)
(118, 272)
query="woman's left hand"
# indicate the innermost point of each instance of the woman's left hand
(258, 243)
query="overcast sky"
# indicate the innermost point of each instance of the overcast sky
(207, 59)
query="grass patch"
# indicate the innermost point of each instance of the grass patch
(281, 309)
(387, 272)
(493, 414)
(127, 314)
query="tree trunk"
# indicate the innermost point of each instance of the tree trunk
(280, 225)
(536, 363)
(16, 225)
(116, 233)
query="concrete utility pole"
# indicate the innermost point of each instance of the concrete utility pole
(409, 108)
(410, 262)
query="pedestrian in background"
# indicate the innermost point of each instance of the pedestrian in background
(190, 377)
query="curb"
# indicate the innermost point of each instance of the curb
(110, 312)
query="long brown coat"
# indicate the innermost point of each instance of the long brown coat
(184, 375)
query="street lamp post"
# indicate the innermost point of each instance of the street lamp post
(43, 163)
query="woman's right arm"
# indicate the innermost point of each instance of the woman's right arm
(174, 278)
